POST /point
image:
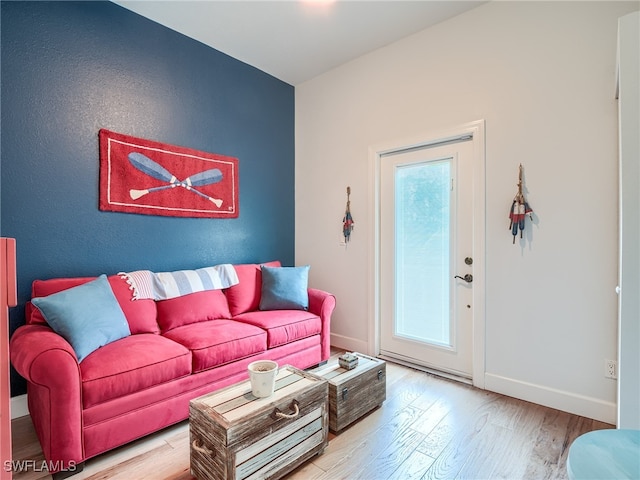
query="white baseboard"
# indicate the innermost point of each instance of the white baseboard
(549, 397)
(349, 344)
(19, 406)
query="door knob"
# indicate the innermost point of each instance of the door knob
(467, 278)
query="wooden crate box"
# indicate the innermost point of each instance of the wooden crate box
(353, 393)
(235, 435)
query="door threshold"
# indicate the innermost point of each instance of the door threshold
(407, 362)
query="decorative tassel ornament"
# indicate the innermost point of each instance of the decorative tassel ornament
(347, 220)
(519, 210)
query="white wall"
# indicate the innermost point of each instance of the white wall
(542, 76)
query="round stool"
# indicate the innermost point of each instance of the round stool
(605, 454)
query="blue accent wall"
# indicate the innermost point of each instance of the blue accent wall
(72, 68)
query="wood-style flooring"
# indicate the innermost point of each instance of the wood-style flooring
(428, 428)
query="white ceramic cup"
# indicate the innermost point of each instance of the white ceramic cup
(262, 375)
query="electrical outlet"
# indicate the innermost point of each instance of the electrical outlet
(611, 369)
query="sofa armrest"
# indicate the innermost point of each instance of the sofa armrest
(50, 366)
(322, 304)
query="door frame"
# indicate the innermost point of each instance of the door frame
(476, 130)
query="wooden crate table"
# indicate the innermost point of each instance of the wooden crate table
(234, 435)
(352, 393)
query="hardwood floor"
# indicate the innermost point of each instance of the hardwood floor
(428, 428)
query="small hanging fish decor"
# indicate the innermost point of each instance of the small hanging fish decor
(347, 221)
(519, 210)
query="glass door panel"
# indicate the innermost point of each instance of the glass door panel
(422, 252)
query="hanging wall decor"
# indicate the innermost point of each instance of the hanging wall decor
(153, 178)
(347, 221)
(519, 210)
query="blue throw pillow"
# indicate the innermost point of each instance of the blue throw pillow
(284, 288)
(87, 316)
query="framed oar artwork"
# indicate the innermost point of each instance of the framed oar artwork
(153, 178)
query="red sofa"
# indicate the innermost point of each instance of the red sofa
(178, 349)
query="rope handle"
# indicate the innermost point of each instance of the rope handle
(204, 450)
(294, 406)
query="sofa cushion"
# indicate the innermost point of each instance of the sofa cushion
(193, 308)
(284, 288)
(245, 296)
(283, 326)
(218, 342)
(141, 314)
(88, 316)
(130, 365)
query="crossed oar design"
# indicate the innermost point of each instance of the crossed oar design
(157, 171)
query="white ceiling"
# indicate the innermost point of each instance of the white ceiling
(297, 40)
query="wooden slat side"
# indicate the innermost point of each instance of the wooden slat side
(274, 451)
(251, 429)
(217, 431)
(204, 465)
(364, 392)
(244, 454)
(292, 458)
(333, 407)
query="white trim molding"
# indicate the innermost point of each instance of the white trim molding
(350, 344)
(582, 405)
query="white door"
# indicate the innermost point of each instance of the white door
(426, 256)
